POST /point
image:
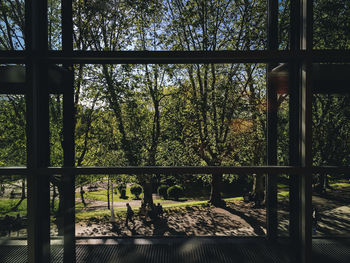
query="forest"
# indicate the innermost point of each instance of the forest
(171, 115)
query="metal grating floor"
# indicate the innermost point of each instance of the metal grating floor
(189, 251)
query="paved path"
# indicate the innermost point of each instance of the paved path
(93, 204)
(334, 221)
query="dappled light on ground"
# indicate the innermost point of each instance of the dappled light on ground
(237, 219)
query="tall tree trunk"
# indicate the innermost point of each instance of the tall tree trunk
(258, 189)
(108, 189)
(23, 189)
(54, 195)
(215, 193)
(23, 196)
(82, 196)
(257, 193)
(18, 204)
(112, 206)
(147, 191)
(60, 212)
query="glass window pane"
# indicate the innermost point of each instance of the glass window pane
(56, 130)
(169, 25)
(283, 24)
(330, 201)
(180, 206)
(12, 130)
(12, 24)
(331, 144)
(331, 24)
(54, 24)
(171, 115)
(331, 115)
(13, 217)
(283, 205)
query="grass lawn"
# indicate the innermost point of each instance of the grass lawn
(340, 185)
(101, 195)
(104, 214)
(283, 195)
(6, 205)
(280, 185)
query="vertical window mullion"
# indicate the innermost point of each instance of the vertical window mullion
(271, 182)
(68, 135)
(37, 131)
(306, 133)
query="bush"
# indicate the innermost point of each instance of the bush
(162, 191)
(122, 190)
(123, 194)
(136, 190)
(174, 192)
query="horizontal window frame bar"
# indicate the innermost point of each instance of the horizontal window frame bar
(12, 89)
(170, 57)
(176, 169)
(13, 60)
(176, 57)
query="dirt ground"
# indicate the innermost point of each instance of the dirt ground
(238, 219)
(333, 210)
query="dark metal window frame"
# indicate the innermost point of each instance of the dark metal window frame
(36, 57)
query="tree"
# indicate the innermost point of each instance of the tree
(331, 111)
(215, 91)
(191, 26)
(12, 25)
(136, 190)
(13, 137)
(119, 89)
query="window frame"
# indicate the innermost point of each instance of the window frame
(37, 56)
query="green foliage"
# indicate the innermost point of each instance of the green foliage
(12, 25)
(12, 130)
(174, 192)
(331, 24)
(162, 191)
(56, 129)
(121, 186)
(136, 190)
(123, 193)
(101, 195)
(6, 206)
(331, 123)
(175, 115)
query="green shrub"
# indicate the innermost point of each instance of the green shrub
(136, 190)
(122, 190)
(174, 192)
(123, 194)
(162, 191)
